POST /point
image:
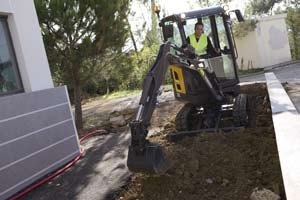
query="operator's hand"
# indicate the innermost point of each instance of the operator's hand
(218, 51)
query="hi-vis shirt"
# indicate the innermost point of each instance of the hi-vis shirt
(201, 45)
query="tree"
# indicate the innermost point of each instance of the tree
(242, 29)
(208, 3)
(262, 6)
(152, 37)
(293, 23)
(78, 34)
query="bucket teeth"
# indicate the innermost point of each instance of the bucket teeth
(151, 160)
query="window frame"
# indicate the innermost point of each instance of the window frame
(18, 74)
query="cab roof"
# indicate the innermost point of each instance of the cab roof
(195, 13)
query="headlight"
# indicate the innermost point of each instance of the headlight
(201, 65)
(182, 15)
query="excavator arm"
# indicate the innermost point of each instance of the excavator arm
(144, 156)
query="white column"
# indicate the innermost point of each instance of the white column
(29, 47)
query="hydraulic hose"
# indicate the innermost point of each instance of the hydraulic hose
(61, 170)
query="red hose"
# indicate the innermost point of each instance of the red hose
(91, 134)
(58, 172)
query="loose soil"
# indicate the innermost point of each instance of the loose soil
(215, 165)
(293, 90)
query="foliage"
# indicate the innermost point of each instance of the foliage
(125, 71)
(123, 93)
(141, 65)
(293, 19)
(142, 61)
(293, 23)
(241, 29)
(262, 6)
(208, 3)
(249, 71)
(78, 34)
(114, 68)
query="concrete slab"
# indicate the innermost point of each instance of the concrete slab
(280, 101)
(285, 73)
(272, 67)
(287, 130)
(293, 90)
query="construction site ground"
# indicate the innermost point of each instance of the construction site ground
(209, 166)
(226, 165)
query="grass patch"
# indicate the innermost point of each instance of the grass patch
(125, 93)
(168, 87)
(250, 71)
(119, 94)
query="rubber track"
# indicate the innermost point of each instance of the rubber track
(181, 120)
(240, 116)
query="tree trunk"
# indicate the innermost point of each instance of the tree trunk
(133, 40)
(294, 32)
(132, 37)
(77, 102)
(297, 56)
(207, 3)
(107, 86)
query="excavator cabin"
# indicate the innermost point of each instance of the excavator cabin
(217, 26)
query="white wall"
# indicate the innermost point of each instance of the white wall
(28, 44)
(5, 7)
(267, 45)
(247, 50)
(273, 40)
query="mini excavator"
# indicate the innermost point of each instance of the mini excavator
(207, 84)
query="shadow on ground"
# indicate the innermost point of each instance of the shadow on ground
(98, 175)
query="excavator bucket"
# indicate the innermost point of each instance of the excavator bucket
(150, 160)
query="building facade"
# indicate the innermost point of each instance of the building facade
(37, 130)
(267, 45)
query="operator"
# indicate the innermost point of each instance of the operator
(201, 42)
(3, 87)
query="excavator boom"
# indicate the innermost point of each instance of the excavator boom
(144, 156)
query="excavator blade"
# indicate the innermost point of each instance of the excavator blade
(150, 160)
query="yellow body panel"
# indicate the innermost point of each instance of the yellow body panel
(178, 79)
(202, 72)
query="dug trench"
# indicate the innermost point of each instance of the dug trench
(224, 165)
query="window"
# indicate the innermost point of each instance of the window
(190, 26)
(222, 33)
(10, 81)
(176, 39)
(223, 65)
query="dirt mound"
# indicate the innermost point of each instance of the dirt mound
(217, 165)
